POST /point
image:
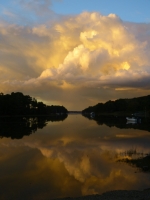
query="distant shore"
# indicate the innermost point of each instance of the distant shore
(115, 195)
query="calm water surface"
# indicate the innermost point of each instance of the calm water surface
(73, 157)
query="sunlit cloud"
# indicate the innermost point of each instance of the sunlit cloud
(83, 51)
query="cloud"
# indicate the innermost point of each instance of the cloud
(106, 53)
(38, 6)
(77, 52)
(28, 12)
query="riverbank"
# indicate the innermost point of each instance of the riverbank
(116, 195)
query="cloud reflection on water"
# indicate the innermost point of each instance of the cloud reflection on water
(71, 158)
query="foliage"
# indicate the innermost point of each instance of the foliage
(121, 105)
(19, 104)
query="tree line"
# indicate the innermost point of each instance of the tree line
(17, 103)
(139, 104)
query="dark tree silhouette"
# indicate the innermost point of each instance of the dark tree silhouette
(139, 104)
(19, 104)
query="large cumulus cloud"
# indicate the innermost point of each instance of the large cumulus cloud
(106, 53)
(76, 52)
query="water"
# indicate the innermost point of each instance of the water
(73, 157)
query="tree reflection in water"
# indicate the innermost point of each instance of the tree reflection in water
(121, 122)
(141, 163)
(17, 127)
(131, 157)
(69, 159)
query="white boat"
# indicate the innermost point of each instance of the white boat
(92, 114)
(131, 119)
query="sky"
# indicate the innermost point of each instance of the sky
(75, 53)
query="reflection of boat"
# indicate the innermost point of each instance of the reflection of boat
(133, 120)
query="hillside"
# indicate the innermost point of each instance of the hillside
(20, 104)
(135, 105)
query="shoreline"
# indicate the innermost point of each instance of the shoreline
(114, 195)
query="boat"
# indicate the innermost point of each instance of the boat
(92, 114)
(131, 119)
